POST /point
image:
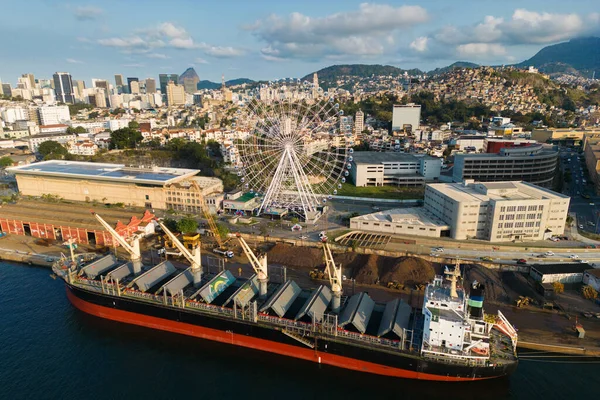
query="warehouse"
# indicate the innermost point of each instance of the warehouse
(64, 220)
(563, 273)
(149, 187)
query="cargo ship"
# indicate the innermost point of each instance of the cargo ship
(449, 338)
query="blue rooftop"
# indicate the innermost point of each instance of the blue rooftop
(108, 172)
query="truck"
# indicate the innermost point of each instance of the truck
(223, 252)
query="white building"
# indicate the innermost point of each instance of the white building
(372, 168)
(63, 138)
(52, 115)
(85, 148)
(12, 115)
(406, 117)
(359, 122)
(498, 211)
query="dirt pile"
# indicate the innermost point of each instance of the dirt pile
(295, 256)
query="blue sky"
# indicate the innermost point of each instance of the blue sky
(274, 39)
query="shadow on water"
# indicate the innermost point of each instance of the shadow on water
(246, 369)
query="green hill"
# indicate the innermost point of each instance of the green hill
(458, 64)
(575, 56)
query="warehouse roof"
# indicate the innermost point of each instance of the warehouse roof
(106, 172)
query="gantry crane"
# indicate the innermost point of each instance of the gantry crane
(259, 265)
(133, 249)
(335, 278)
(193, 257)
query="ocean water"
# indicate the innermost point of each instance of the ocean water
(49, 350)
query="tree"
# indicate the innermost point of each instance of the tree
(134, 125)
(52, 150)
(76, 130)
(294, 220)
(187, 225)
(222, 231)
(263, 231)
(6, 162)
(93, 115)
(125, 138)
(171, 224)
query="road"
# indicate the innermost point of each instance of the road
(511, 256)
(584, 201)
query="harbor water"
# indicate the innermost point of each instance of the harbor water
(49, 350)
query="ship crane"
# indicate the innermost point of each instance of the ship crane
(335, 278)
(259, 265)
(133, 249)
(193, 257)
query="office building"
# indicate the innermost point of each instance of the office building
(134, 87)
(154, 187)
(359, 122)
(6, 90)
(164, 80)
(53, 115)
(562, 135)
(150, 86)
(372, 168)
(119, 80)
(492, 211)
(534, 164)
(406, 117)
(31, 80)
(129, 80)
(175, 94)
(63, 86)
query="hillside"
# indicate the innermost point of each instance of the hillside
(214, 85)
(575, 56)
(458, 64)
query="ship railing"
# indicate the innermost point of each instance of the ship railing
(142, 295)
(446, 355)
(369, 339)
(288, 323)
(208, 307)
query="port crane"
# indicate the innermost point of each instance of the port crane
(193, 257)
(212, 225)
(334, 272)
(133, 249)
(259, 265)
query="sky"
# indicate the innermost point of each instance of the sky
(272, 39)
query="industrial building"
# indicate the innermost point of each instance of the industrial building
(492, 211)
(592, 277)
(153, 187)
(534, 164)
(563, 273)
(372, 168)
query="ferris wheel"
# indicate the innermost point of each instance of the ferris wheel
(296, 156)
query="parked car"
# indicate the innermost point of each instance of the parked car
(580, 226)
(303, 237)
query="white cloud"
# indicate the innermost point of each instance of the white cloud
(73, 61)
(157, 56)
(480, 50)
(165, 35)
(87, 13)
(533, 27)
(419, 44)
(367, 31)
(221, 51)
(199, 60)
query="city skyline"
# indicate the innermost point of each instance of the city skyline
(274, 40)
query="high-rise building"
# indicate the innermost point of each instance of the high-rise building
(98, 99)
(119, 81)
(31, 80)
(164, 80)
(315, 90)
(134, 87)
(101, 83)
(150, 85)
(63, 86)
(6, 89)
(359, 122)
(129, 80)
(189, 79)
(175, 94)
